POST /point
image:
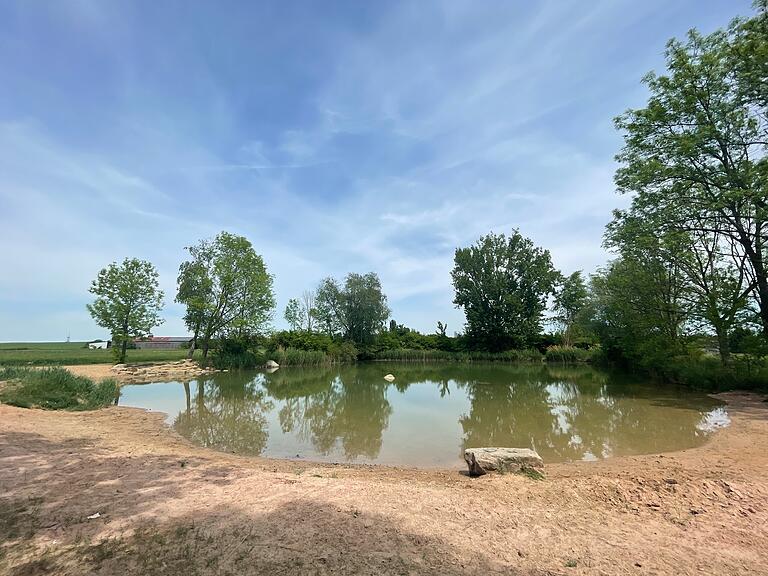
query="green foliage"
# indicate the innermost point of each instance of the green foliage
(294, 314)
(128, 302)
(237, 353)
(295, 357)
(226, 289)
(512, 356)
(54, 389)
(570, 301)
(635, 311)
(570, 354)
(503, 284)
(694, 158)
(356, 311)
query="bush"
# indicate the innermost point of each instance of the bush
(236, 354)
(55, 389)
(569, 354)
(526, 355)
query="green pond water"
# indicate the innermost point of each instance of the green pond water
(430, 413)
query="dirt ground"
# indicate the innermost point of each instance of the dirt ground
(158, 505)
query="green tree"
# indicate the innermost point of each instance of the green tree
(294, 314)
(570, 300)
(503, 284)
(636, 309)
(194, 291)
(128, 302)
(227, 289)
(357, 310)
(694, 157)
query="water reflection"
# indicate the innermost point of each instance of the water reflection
(431, 412)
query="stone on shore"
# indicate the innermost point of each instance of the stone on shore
(481, 460)
(389, 378)
(271, 364)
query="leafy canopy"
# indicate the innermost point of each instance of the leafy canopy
(128, 301)
(503, 283)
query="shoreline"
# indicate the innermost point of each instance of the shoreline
(702, 510)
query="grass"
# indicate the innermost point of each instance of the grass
(403, 355)
(569, 354)
(59, 353)
(54, 389)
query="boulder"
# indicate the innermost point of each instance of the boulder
(481, 460)
(389, 378)
(272, 364)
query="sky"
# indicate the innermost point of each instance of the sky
(337, 137)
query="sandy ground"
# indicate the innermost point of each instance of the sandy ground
(166, 507)
(92, 371)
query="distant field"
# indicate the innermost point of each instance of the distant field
(38, 353)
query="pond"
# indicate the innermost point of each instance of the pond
(430, 413)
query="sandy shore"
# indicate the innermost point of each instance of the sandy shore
(166, 507)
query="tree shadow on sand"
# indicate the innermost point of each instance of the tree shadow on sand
(49, 488)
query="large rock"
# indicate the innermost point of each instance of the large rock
(271, 364)
(481, 460)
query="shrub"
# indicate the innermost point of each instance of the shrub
(55, 389)
(568, 354)
(295, 357)
(526, 355)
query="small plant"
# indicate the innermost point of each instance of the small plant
(55, 389)
(531, 473)
(571, 563)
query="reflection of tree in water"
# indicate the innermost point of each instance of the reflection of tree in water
(575, 413)
(226, 414)
(564, 412)
(340, 407)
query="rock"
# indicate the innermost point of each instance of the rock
(271, 364)
(389, 378)
(480, 460)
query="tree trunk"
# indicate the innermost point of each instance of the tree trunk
(123, 349)
(723, 345)
(206, 345)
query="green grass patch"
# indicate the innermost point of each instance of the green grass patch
(61, 353)
(54, 389)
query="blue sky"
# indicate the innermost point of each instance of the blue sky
(337, 136)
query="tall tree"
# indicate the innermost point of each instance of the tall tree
(503, 283)
(294, 314)
(357, 310)
(308, 307)
(194, 291)
(570, 300)
(128, 302)
(227, 289)
(635, 309)
(694, 157)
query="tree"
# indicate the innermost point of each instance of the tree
(570, 300)
(713, 292)
(695, 155)
(503, 284)
(635, 309)
(357, 310)
(308, 307)
(226, 288)
(194, 291)
(128, 302)
(294, 314)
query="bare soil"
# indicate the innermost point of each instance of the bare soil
(167, 507)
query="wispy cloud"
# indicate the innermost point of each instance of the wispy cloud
(379, 138)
